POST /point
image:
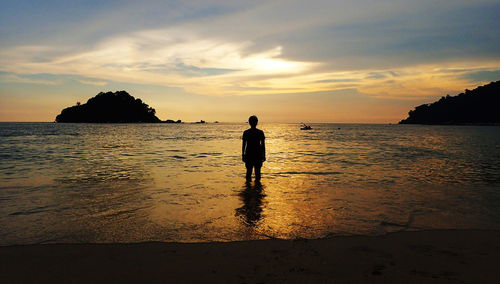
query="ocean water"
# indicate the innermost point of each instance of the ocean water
(75, 183)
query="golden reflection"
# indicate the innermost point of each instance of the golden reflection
(252, 196)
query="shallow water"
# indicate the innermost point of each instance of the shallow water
(185, 182)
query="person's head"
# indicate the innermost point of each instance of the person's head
(253, 120)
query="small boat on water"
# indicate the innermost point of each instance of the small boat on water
(305, 127)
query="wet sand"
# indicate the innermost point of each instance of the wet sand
(469, 256)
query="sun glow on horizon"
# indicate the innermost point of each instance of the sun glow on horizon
(190, 55)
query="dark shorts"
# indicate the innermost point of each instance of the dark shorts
(253, 163)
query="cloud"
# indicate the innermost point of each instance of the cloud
(93, 83)
(481, 75)
(208, 66)
(164, 57)
(24, 79)
(383, 48)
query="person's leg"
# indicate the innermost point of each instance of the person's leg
(257, 171)
(249, 170)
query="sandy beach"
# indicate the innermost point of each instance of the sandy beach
(469, 256)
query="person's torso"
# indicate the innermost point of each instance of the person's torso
(254, 138)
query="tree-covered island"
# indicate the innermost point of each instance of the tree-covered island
(479, 106)
(109, 107)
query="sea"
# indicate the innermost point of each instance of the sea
(121, 183)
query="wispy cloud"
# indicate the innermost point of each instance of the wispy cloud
(161, 57)
(93, 83)
(13, 78)
(215, 67)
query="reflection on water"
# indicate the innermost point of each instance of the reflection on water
(183, 182)
(252, 196)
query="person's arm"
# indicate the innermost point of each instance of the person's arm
(263, 149)
(243, 144)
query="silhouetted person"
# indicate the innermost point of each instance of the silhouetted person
(253, 150)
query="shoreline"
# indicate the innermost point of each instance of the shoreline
(415, 256)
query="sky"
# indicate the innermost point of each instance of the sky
(285, 61)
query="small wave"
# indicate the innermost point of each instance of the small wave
(308, 173)
(211, 154)
(32, 211)
(111, 146)
(350, 162)
(119, 212)
(393, 224)
(177, 157)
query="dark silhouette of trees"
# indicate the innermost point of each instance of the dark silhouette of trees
(117, 107)
(172, 121)
(479, 106)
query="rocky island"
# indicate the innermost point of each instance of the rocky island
(109, 107)
(479, 106)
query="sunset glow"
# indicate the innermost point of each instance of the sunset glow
(178, 56)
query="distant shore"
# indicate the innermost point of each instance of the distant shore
(457, 124)
(469, 256)
(476, 107)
